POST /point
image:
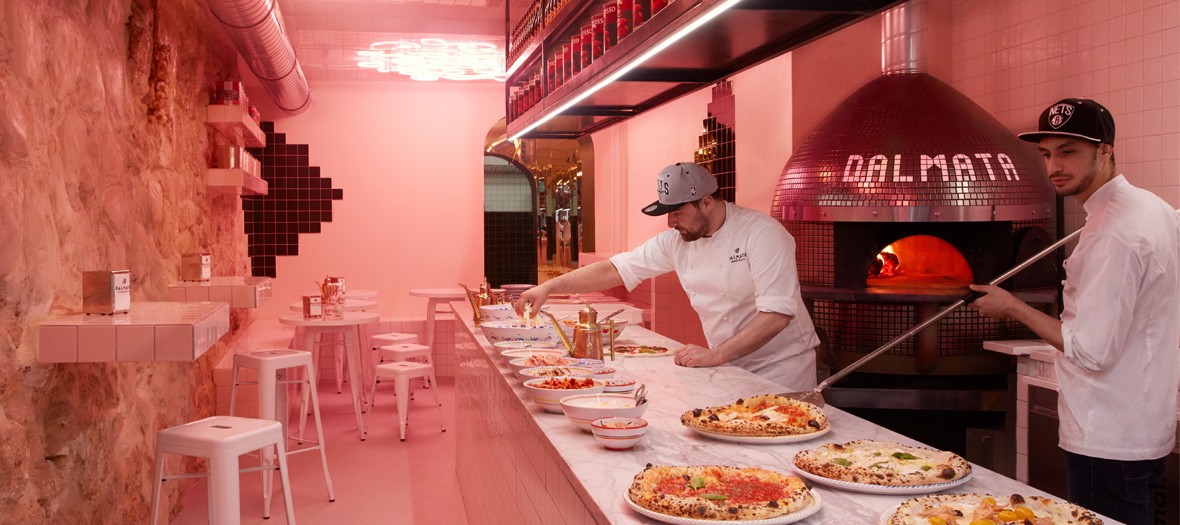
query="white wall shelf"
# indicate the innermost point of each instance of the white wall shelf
(151, 331)
(235, 123)
(239, 292)
(243, 181)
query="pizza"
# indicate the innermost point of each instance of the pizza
(713, 492)
(882, 463)
(565, 383)
(641, 350)
(760, 416)
(964, 509)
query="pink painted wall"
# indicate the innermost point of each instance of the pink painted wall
(409, 157)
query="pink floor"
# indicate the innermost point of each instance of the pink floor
(380, 480)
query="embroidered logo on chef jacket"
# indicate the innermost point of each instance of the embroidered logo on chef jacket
(738, 255)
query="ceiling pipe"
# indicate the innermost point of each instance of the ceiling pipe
(256, 29)
(903, 38)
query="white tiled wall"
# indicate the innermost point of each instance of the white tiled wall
(1015, 57)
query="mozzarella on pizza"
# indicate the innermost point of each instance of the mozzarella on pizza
(964, 509)
(765, 415)
(713, 492)
(882, 463)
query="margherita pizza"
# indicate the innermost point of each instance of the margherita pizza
(882, 463)
(765, 415)
(718, 493)
(642, 350)
(962, 509)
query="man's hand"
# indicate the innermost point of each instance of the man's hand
(536, 295)
(696, 356)
(996, 302)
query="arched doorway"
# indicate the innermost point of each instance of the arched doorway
(562, 190)
(510, 222)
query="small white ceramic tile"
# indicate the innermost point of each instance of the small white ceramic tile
(196, 293)
(57, 344)
(221, 294)
(174, 343)
(99, 344)
(177, 293)
(135, 343)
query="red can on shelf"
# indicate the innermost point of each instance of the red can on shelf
(596, 28)
(626, 11)
(551, 75)
(610, 24)
(559, 66)
(657, 6)
(587, 45)
(575, 58)
(641, 11)
(567, 53)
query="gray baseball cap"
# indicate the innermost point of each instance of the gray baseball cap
(680, 184)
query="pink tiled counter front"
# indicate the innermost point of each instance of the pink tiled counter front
(518, 464)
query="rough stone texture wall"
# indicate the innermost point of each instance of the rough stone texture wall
(102, 154)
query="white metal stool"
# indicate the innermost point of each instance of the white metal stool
(386, 339)
(269, 363)
(221, 439)
(406, 352)
(401, 373)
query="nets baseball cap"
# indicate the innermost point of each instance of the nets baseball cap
(1074, 117)
(679, 184)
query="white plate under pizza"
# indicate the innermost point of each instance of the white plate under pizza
(1013, 508)
(882, 467)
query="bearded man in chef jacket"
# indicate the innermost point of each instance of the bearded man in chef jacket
(1118, 333)
(737, 266)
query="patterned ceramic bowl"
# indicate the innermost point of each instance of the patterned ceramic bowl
(522, 363)
(583, 408)
(509, 355)
(515, 330)
(550, 398)
(602, 372)
(618, 433)
(619, 385)
(501, 312)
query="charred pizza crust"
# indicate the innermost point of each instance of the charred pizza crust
(964, 508)
(713, 492)
(882, 463)
(765, 415)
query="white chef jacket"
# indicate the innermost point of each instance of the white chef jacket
(1121, 328)
(746, 266)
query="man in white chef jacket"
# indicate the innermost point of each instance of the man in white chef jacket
(1120, 367)
(738, 268)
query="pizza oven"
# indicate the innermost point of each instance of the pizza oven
(903, 196)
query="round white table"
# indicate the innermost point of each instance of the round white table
(359, 294)
(350, 328)
(435, 297)
(350, 305)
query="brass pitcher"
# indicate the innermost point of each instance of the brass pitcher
(474, 300)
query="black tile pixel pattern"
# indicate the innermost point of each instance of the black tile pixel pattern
(298, 201)
(716, 144)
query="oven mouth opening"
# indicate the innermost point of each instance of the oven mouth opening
(919, 261)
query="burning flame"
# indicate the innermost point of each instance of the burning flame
(886, 265)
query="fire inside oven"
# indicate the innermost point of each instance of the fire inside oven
(919, 260)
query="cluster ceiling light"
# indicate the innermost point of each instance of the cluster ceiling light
(434, 59)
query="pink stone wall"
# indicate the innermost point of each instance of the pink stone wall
(102, 158)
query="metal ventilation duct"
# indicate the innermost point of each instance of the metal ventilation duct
(907, 147)
(256, 29)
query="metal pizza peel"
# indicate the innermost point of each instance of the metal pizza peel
(815, 395)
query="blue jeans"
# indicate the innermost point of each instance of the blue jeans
(1121, 490)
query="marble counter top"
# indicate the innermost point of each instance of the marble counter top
(606, 475)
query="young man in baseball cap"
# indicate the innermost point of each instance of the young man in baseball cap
(738, 268)
(1118, 333)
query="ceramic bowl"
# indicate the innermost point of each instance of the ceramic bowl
(515, 330)
(550, 398)
(509, 355)
(618, 433)
(521, 363)
(619, 385)
(552, 371)
(581, 409)
(589, 362)
(602, 372)
(567, 325)
(502, 312)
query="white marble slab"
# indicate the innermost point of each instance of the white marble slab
(672, 390)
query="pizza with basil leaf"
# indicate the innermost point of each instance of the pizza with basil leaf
(714, 492)
(882, 463)
(759, 416)
(950, 509)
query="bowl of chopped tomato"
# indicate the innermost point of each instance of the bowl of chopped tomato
(548, 392)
